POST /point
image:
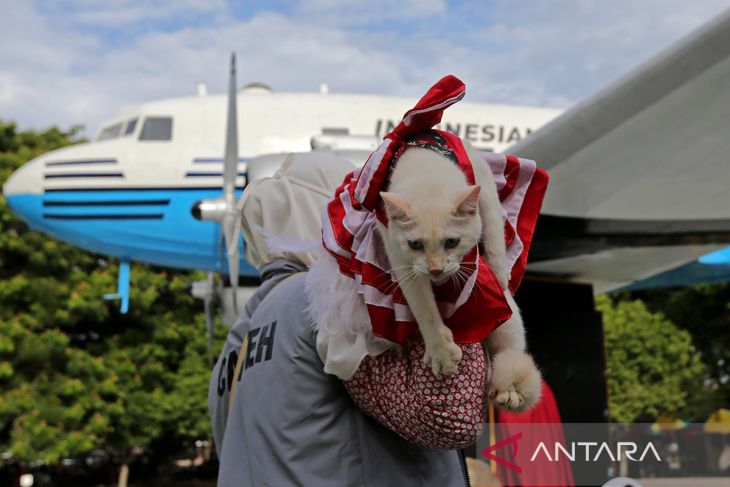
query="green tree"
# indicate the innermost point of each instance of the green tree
(704, 311)
(75, 374)
(652, 366)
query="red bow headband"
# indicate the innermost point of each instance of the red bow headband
(427, 113)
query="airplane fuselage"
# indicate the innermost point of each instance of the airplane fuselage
(129, 192)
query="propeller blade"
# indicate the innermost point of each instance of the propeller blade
(231, 238)
(230, 167)
(232, 247)
(230, 172)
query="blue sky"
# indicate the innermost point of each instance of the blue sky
(80, 61)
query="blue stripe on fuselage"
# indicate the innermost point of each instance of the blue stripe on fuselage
(133, 230)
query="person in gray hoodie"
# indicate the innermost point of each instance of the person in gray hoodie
(278, 419)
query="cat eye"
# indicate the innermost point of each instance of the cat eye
(415, 244)
(451, 243)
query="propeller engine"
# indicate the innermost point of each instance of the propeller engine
(224, 211)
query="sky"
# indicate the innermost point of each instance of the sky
(69, 62)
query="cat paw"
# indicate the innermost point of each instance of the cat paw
(515, 381)
(444, 356)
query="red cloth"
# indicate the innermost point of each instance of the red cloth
(541, 423)
(349, 228)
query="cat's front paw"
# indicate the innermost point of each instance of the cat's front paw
(515, 382)
(444, 355)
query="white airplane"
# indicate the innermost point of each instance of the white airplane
(137, 191)
(638, 172)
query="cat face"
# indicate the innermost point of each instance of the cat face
(431, 234)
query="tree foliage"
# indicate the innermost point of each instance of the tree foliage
(652, 365)
(704, 311)
(75, 374)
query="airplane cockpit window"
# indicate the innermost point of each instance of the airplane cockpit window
(131, 125)
(110, 132)
(156, 128)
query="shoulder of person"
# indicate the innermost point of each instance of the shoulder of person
(287, 303)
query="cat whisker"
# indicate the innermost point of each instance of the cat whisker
(455, 279)
(392, 270)
(463, 276)
(409, 279)
(404, 280)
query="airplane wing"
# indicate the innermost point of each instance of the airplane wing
(640, 172)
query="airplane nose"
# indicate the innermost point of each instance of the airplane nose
(27, 179)
(23, 191)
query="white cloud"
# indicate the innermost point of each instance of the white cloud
(122, 13)
(370, 12)
(572, 48)
(83, 62)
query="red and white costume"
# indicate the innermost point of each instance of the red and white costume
(350, 234)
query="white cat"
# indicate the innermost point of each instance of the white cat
(435, 218)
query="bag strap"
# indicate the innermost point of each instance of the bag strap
(239, 361)
(237, 373)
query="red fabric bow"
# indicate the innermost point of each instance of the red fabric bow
(424, 116)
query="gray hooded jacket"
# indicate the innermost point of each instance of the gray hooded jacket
(292, 424)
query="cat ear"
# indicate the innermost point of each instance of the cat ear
(396, 207)
(467, 202)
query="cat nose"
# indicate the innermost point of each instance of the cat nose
(436, 271)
